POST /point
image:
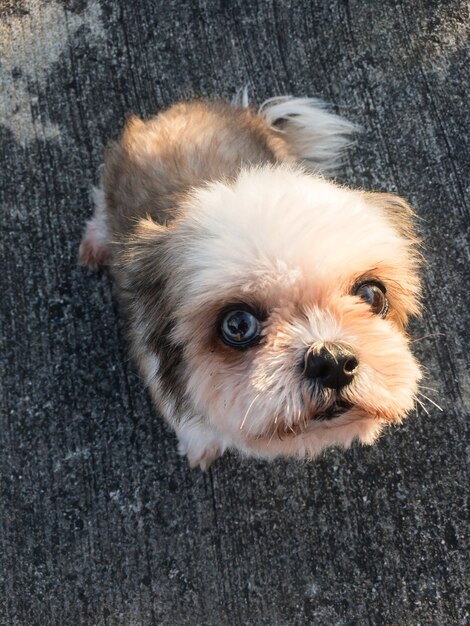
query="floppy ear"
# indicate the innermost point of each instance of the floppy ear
(407, 284)
(145, 275)
(142, 256)
(398, 212)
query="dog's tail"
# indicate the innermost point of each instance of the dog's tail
(315, 136)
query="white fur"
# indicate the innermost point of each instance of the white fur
(93, 250)
(99, 217)
(278, 222)
(313, 134)
(241, 99)
(199, 442)
(150, 366)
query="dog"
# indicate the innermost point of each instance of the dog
(267, 304)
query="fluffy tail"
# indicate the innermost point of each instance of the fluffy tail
(314, 135)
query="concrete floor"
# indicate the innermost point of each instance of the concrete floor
(101, 523)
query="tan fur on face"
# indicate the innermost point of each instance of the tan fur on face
(203, 207)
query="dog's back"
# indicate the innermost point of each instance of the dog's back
(158, 160)
(148, 171)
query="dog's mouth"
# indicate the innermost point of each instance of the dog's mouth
(335, 410)
(283, 430)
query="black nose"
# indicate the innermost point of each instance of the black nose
(332, 367)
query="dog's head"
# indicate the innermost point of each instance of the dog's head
(287, 297)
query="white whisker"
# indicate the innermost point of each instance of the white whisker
(272, 435)
(431, 401)
(430, 336)
(422, 406)
(248, 410)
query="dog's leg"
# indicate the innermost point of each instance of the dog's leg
(199, 443)
(93, 252)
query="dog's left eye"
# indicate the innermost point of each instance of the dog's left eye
(373, 293)
(240, 329)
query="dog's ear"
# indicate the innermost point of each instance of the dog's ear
(398, 212)
(142, 254)
(407, 286)
(145, 277)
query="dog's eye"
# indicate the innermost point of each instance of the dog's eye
(373, 293)
(240, 329)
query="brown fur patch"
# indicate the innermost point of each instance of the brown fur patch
(144, 290)
(157, 161)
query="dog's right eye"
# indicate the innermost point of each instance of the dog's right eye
(240, 329)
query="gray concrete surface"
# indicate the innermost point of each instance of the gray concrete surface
(101, 523)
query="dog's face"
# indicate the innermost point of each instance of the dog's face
(289, 300)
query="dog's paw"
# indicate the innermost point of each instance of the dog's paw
(93, 252)
(199, 445)
(200, 457)
(203, 459)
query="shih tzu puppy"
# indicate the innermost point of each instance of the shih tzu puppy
(266, 304)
